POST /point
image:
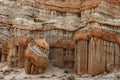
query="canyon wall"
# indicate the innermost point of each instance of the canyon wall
(59, 21)
(96, 52)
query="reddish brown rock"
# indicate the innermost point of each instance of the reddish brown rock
(16, 53)
(37, 53)
(99, 33)
(58, 21)
(96, 52)
(5, 50)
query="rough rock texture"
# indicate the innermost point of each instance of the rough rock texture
(16, 52)
(65, 50)
(36, 56)
(61, 23)
(4, 51)
(97, 51)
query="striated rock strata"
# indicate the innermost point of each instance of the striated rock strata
(72, 28)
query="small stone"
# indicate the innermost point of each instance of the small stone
(25, 77)
(42, 76)
(53, 75)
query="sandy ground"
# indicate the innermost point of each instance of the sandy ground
(51, 73)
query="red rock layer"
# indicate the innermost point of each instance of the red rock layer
(109, 36)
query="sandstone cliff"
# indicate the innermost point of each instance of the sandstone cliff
(72, 29)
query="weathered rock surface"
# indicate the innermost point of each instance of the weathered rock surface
(16, 52)
(65, 50)
(96, 51)
(36, 56)
(59, 21)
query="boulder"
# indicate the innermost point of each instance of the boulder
(36, 56)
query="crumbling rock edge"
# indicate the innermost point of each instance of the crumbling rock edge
(96, 32)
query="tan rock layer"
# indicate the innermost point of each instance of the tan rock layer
(27, 27)
(77, 7)
(103, 22)
(54, 27)
(67, 6)
(34, 28)
(109, 36)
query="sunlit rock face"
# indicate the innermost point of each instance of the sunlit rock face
(59, 21)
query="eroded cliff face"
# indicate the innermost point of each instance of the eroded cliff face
(37, 19)
(63, 23)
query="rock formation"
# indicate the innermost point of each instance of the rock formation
(97, 51)
(75, 30)
(65, 50)
(4, 51)
(16, 52)
(36, 56)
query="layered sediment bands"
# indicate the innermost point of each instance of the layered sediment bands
(32, 19)
(74, 7)
(37, 56)
(91, 23)
(104, 22)
(96, 51)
